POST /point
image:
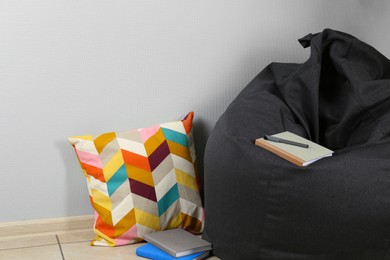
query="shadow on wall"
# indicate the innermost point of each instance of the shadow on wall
(200, 133)
(76, 190)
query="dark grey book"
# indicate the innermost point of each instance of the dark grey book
(178, 242)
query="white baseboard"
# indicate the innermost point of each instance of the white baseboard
(53, 225)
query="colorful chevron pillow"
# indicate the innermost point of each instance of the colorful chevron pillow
(141, 181)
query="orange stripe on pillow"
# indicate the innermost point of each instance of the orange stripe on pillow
(96, 172)
(104, 221)
(187, 121)
(136, 160)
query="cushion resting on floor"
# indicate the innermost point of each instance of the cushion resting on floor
(259, 206)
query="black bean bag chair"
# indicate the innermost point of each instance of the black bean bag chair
(260, 206)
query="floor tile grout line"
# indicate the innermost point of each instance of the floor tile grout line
(75, 242)
(59, 245)
(23, 247)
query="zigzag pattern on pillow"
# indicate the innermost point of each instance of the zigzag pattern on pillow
(141, 181)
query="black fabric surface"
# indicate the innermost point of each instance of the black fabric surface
(259, 206)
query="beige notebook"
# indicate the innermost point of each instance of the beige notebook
(298, 155)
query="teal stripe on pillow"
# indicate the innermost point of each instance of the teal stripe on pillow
(169, 198)
(175, 137)
(117, 180)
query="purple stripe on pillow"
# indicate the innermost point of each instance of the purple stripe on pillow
(143, 190)
(159, 155)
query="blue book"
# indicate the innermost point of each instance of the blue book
(150, 251)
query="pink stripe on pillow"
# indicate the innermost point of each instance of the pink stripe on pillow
(146, 133)
(89, 158)
(128, 238)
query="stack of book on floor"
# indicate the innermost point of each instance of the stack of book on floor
(174, 244)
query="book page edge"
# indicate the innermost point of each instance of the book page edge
(276, 150)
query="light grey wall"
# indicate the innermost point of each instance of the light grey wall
(70, 67)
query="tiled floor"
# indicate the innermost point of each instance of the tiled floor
(66, 245)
